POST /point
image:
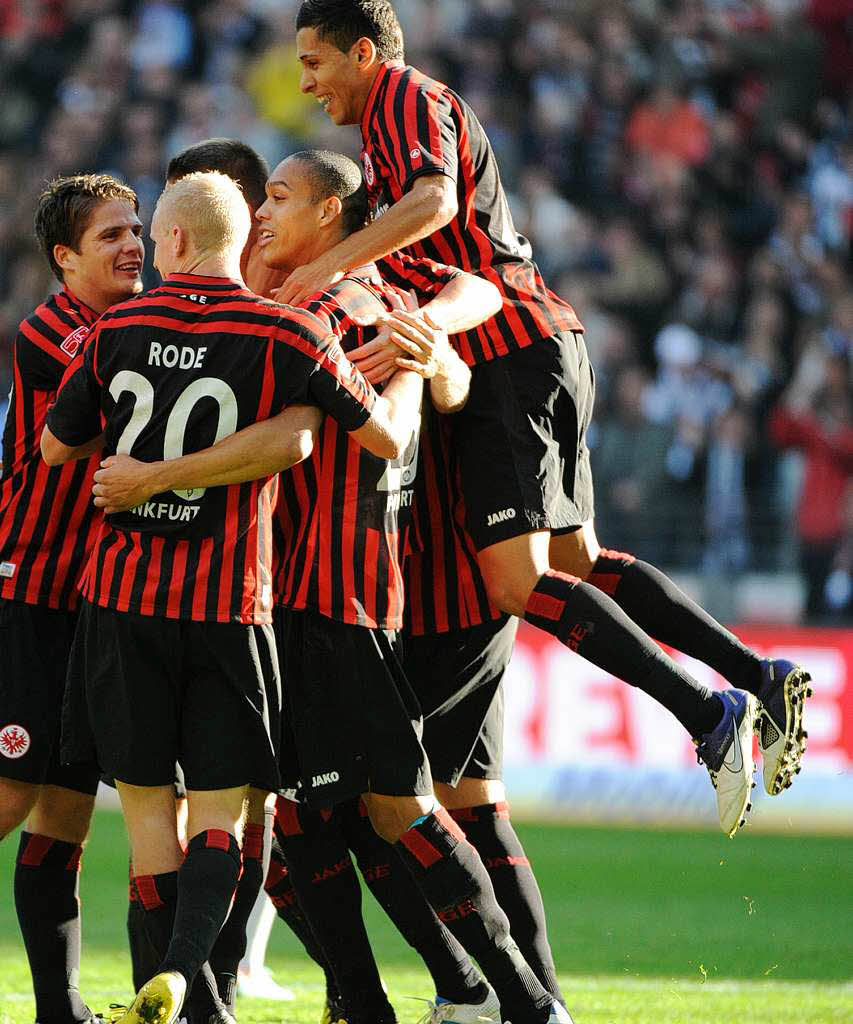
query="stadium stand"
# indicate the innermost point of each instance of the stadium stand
(684, 169)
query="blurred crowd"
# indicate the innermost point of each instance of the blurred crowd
(684, 169)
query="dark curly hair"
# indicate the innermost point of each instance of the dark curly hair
(344, 22)
(65, 206)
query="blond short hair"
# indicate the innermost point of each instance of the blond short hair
(210, 208)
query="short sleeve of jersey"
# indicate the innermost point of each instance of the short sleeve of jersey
(416, 131)
(75, 416)
(313, 369)
(423, 276)
(39, 366)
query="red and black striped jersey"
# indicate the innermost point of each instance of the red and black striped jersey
(47, 520)
(413, 125)
(343, 513)
(444, 588)
(175, 371)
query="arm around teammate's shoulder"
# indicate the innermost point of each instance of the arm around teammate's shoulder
(395, 416)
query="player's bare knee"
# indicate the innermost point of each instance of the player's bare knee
(471, 792)
(575, 553)
(62, 814)
(508, 594)
(16, 802)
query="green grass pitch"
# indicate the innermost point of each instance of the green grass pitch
(647, 928)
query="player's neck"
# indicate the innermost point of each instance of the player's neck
(370, 82)
(91, 296)
(211, 265)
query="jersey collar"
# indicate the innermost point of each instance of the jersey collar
(373, 96)
(86, 313)
(204, 285)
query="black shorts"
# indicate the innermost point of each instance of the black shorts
(521, 441)
(351, 722)
(35, 643)
(457, 678)
(144, 693)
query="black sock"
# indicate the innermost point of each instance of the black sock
(328, 890)
(46, 878)
(489, 830)
(154, 923)
(665, 612)
(451, 875)
(143, 957)
(589, 622)
(230, 945)
(206, 883)
(453, 972)
(158, 897)
(279, 888)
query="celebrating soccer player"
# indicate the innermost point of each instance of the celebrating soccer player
(521, 440)
(174, 659)
(89, 230)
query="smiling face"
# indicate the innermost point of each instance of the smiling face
(293, 228)
(339, 81)
(107, 266)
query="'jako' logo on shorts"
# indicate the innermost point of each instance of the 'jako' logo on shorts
(500, 517)
(325, 779)
(14, 741)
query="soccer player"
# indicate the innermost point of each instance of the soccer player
(521, 440)
(174, 658)
(88, 228)
(353, 715)
(249, 169)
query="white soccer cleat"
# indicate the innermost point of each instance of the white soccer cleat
(442, 1012)
(726, 752)
(260, 984)
(559, 1014)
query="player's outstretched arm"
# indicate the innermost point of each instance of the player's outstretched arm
(427, 207)
(260, 450)
(55, 453)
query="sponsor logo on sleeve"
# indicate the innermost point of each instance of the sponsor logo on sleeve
(71, 345)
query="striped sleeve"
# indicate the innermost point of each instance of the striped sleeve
(75, 416)
(317, 372)
(415, 128)
(424, 276)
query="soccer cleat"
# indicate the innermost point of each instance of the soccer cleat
(333, 1012)
(559, 1014)
(726, 751)
(781, 738)
(159, 1000)
(444, 1012)
(260, 984)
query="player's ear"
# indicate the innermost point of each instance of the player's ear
(179, 240)
(332, 208)
(64, 257)
(364, 52)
